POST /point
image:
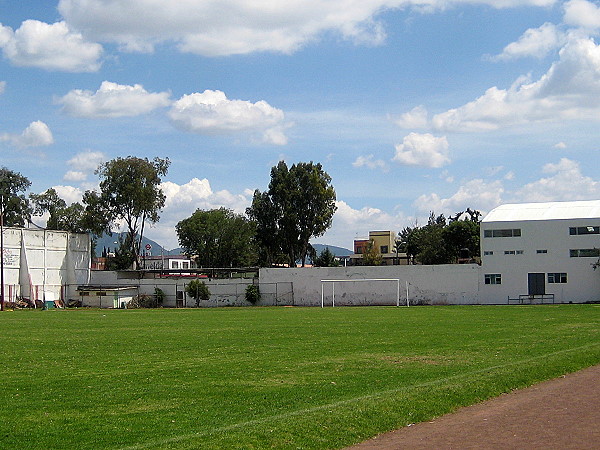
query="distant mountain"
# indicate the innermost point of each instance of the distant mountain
(337, 251)
(111, 242)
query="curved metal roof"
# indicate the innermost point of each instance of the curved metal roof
(589, 209)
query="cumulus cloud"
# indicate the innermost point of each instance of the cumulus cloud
(216, 28)
(560, 145)
(69, 194)
(565, 182)
(582, 14)
(569, 90)
(50, 47)
(477, 194)
(370, 163)
(535, 42)
(112, 100)
(423, 150)
(415, 118)
(211, 112)
(82, 164)
(37, 134)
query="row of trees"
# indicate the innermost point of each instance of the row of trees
(129, 194)
(298, 206)
(442, 240)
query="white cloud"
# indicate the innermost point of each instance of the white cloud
(423, 150)
(37, 134)
(74, 175)
(367, 161)
(2, 87)
(569, 90)
(216, 27)
(477, 194)
(583, 14)
(112, 100)
(565, 182)
(50, 47)
(415, 118)
(69, 194)
(211, 112)
(535, 42)
(560, 145)
(87, 161)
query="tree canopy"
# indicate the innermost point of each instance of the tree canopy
(298, 205)
(218, 238)
(129, 193)
(442, 241)
(16, 210)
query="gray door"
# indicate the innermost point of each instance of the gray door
(536, 283)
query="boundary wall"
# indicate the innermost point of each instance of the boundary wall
(441, 284)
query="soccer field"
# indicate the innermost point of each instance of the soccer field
(269, 377)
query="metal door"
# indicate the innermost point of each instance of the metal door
(536, 283)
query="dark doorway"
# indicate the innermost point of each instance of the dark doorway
(536, 283)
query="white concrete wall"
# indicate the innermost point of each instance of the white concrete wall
(224, 292)
(44, 264)
(444, 284)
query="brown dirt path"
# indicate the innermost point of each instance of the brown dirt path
(563, 413)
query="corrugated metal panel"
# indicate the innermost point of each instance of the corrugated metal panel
(545, 211)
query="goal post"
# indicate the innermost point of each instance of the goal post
(361, 280)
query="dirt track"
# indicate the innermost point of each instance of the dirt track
(563, 413)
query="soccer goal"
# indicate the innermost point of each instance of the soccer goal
(394, 281)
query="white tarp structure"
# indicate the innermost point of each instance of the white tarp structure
(44, 265)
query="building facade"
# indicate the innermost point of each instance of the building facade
(541, 252)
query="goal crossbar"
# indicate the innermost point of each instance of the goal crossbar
(361, 280)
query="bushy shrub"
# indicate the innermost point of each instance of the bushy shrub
(198, 290)
(142, 301)
(159, 295)
(252, 294)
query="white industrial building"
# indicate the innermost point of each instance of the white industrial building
(44, 265)
(541, 252)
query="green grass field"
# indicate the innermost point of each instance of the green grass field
(269, 377)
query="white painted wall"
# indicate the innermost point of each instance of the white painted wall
(44, 264)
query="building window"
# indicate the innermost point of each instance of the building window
(101, 294)
(384, 249)
(584, 253)
(509, 252)
(519, 252)
(541, 251)
(184, 265)
(358, 250)
(574, 231)
(493, 278)
(488, 253)
(558, 277)
(175, 264)
(508, 232)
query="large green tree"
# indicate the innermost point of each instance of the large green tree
(218, 238)
(298, 206)
(130, 194)
(14, 205)
(70, 218)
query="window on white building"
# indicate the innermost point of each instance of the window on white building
(493, 278)
(574, 231)
(541, 251)
(584, 253)
(557, 277)
(507, 232)
(488, 253)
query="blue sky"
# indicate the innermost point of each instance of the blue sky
(411, 106)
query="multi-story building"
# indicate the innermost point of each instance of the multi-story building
(538, 252)
(384, 242)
